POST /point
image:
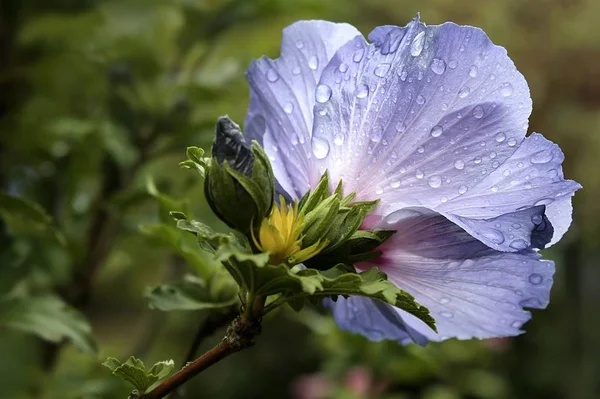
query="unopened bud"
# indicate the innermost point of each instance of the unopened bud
(239, 183)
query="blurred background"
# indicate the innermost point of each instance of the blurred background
(98, 101)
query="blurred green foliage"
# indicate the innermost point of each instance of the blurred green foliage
(97, 97)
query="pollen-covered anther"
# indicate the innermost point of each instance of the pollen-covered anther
(280, 234)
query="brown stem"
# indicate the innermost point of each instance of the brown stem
(240, 335)
(211, 357)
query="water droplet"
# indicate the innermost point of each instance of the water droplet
(511, 142)
(444, 300)
(434, 181)
(541, 157)
(506, 89)
(477, 160)
(361, 91)
(464, 92)
(438, 66)
(462, 189)
(493, 235)
(493, 155)
(452, 64)
(288, 108)
(519, 244)
(378, 190)
(400, 127)
(494, 189)
(500, 137)
(416, 47)
(447, 315)
(313, 62)
(478, 112)
(419, 174)
(420, 149)
(299, 44)
(343, 68)
(516, 226)
(520, 164)
(376, 133)
(459, 164)
(272, 75)
(473, 71)
(403, 74)
(358, 55)
(536, 219)
(320, 147)
(296, 70)
(339, 139)
(381, 70)
(536, 278)
(323, 93)
(395, 184)
(436, 131)
(420, 100)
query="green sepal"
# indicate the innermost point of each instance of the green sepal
(311, 199)
(367, 240)
(134, 371)
(319, 221)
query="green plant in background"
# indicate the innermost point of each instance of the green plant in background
(96, 97)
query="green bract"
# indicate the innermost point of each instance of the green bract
(336, 219)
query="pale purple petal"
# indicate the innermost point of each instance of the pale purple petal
(429, 116)
(412, 117)
(532, 176)
(373, 319)
(510, 232)
(282, 98)
(470, 289)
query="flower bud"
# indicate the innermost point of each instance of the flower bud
(239, 184)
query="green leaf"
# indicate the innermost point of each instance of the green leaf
(134, 371)
(48, 317)
(27, 217)
(254, 273)
(194, 294)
